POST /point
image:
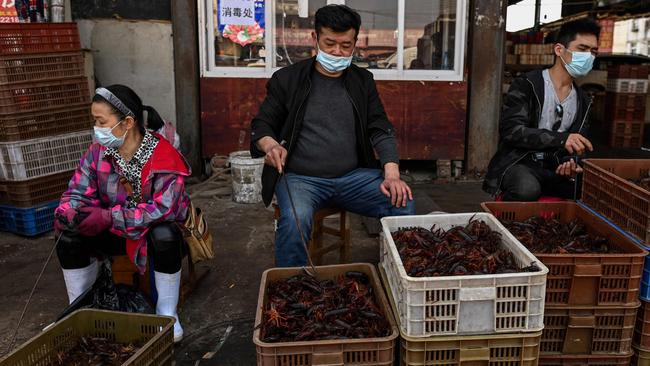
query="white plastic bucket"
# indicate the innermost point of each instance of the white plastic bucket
(246, 177)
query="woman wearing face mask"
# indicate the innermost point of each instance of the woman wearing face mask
(126, 197)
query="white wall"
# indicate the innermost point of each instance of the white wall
(138, 54)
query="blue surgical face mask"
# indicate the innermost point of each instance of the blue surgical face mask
(333, 63)
(581, 63)
(104, 135)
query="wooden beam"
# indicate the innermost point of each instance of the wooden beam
(186, 78)
(487, 31)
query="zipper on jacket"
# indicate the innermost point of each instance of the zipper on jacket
(361, 129)
(293, 130)
(584, 118)
(295, 120)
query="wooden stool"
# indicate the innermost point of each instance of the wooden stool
(125, 271)
(315, 244)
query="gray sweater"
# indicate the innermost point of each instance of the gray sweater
(326, 146)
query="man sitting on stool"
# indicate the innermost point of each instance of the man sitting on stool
(544, 122)
(319, 128)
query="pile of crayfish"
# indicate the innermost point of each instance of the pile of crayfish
(551, 236)
(96, 351)
(303, 308)
(473, 249)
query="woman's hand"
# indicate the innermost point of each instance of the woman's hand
(66, 220)
(97, 220)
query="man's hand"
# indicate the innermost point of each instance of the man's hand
(276, 154)
(395, 188)
(568, 169)
(577, 144)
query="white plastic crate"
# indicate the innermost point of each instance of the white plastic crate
(634, 86)
(463, 305)
(43, 156)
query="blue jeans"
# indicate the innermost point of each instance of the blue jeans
(357, 192)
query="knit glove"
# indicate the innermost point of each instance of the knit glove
(97, 220)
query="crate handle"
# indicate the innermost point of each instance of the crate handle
(477, 293)
(475, 354)
(582, 321)
(327, 359)
(588, 270)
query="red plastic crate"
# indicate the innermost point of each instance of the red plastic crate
(589, 279)
(627, 128)
(40, 67)
(642, 330)
(46, 122)
(606, 189)
(588, 330)
(24, 38)
(625, 106)
(33, 192)
(627, 72)
(625, 141)
(31, 97)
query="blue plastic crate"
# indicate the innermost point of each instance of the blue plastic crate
(28, 221)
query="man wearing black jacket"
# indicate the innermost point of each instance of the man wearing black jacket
(318, 129)
(544, 122)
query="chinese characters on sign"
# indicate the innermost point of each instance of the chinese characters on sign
(237, 12)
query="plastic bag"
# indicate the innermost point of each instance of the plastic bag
(109, 296)
(106, 295)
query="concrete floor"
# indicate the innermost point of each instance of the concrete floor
(228, 294)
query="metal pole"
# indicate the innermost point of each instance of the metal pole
(538, 6)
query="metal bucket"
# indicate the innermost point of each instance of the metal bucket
(246, 177)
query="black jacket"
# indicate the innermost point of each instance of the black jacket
(281, 114)
(519, 134)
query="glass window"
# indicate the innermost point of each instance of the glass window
(398, 39)
(238, 33)
(376, 45)
(294, 22)
(429, 34)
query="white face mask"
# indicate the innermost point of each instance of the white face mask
(104, 135)
(333, 63)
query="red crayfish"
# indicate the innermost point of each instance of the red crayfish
(303, 308)
(96, 351)
(462, 250)
(541, 235)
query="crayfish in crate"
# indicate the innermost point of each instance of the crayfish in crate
(551, 236)
(95, 351)
(474, 249)
(303, 308)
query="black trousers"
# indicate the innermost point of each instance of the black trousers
(528, 181)
(164, 244)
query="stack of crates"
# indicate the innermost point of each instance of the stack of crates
(45, 122)
(612, 188)
(464, 320)
(627, 86)
(591, 298)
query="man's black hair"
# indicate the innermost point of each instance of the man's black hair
(570, 30)
(339, 18)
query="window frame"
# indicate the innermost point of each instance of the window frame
(206, 48)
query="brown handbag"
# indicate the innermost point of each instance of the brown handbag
(197, 235)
